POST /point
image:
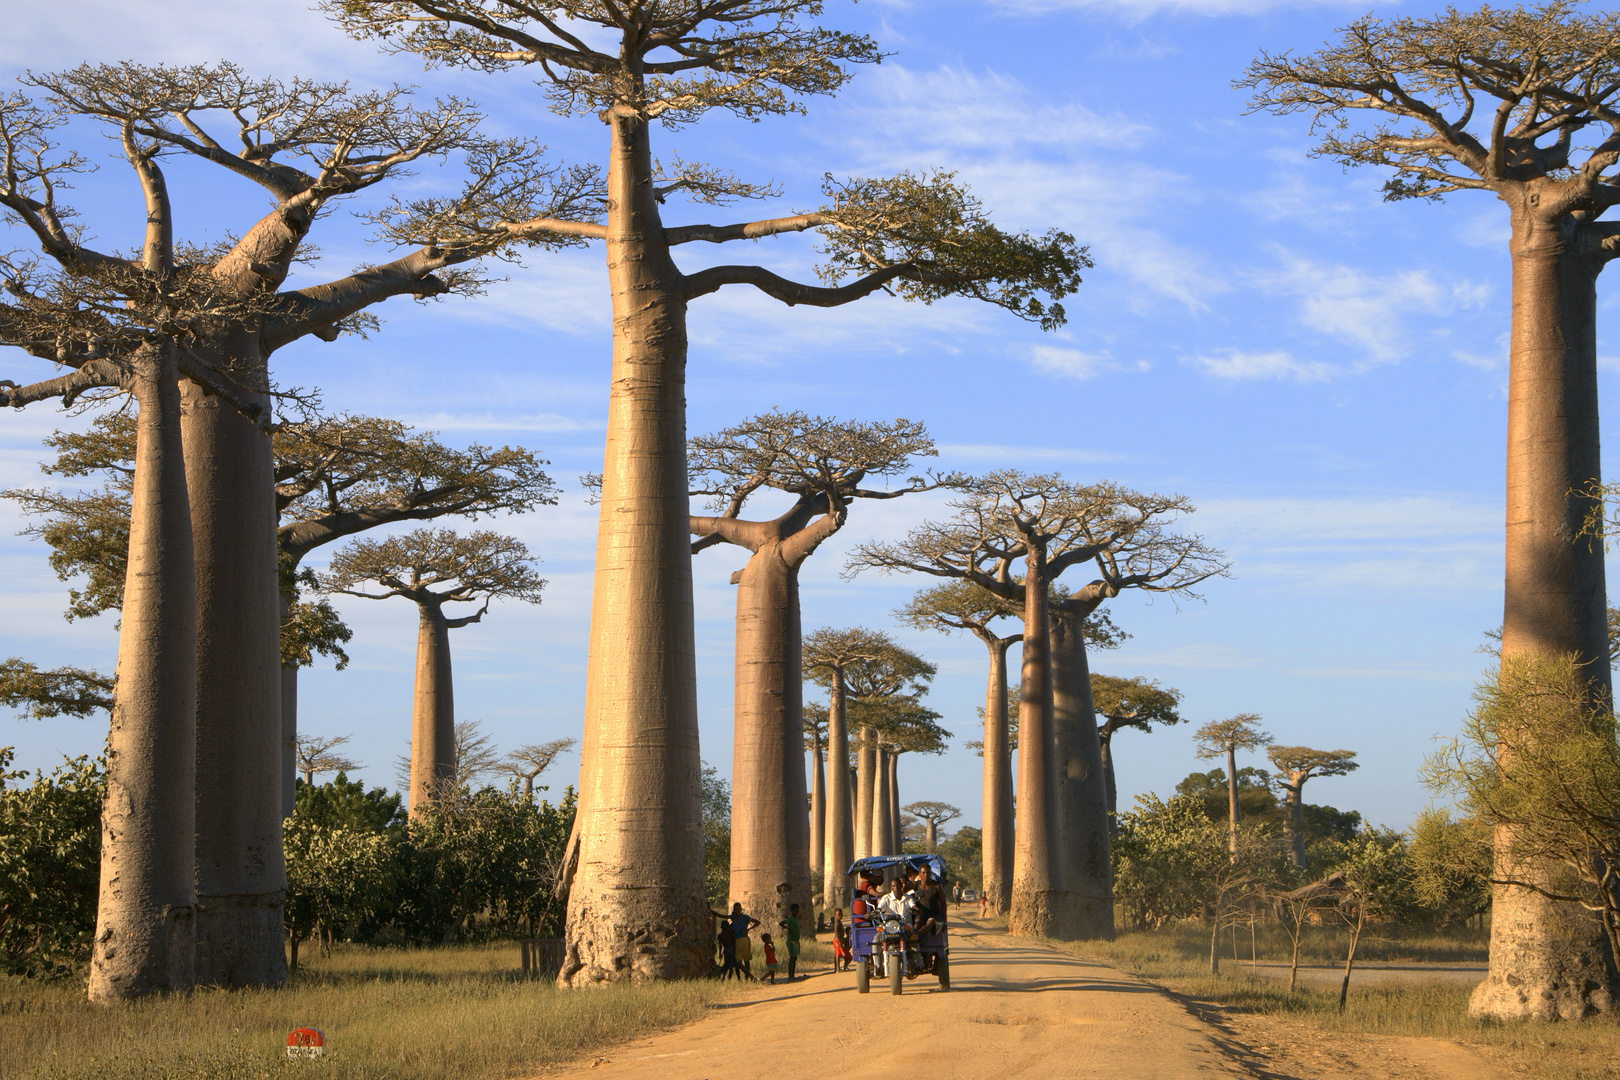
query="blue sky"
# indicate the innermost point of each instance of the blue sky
(1321, 372)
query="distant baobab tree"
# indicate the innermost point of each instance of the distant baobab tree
(919, 235)
(1522, 103)
(529, 761)
(824, 465)
(1129, 703)
(1226, 738)
(315, 756)
(1062, 877)
(933, 815)
(1298, 764)
(432, 568)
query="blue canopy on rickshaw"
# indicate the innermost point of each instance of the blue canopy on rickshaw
(878, 864)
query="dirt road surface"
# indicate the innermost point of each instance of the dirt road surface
(1015, 1010)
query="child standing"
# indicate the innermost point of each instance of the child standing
(770, 958)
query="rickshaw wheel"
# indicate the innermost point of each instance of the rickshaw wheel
(942, 968)
(863, 977)
(895, 975)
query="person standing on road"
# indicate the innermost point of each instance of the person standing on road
(770, 958)
(791, 925)
(728, 952)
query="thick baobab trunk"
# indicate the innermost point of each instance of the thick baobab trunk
(1234, 813)
(840, 838)
(818, 819)
(1085, 865)
(636, 909)
(241, 873)
(882, 826)
(433, 709)
(770, 832)
(865, 783)
(1550, 959)
(1036, 883)
(1294, 804)
(998, 789)
(930, 834)
(145, 911)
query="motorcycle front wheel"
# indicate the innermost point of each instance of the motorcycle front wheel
(895, 974)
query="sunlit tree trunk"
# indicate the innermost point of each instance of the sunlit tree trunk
(865, 784)
(896, 841)
(144, 939)
(1550, 959)
(1035, 867)
(770, 832)
(241, 874)
(1294, 805)
(930, 835)
(1085, 866)
(1234, 811)
(882, 827)
(636, 910)
(818, 818)
(840, 837)
(998, 788)
(433, 708)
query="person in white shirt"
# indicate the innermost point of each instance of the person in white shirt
(899, 904)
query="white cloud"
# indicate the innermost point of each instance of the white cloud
(1238, 365)
(1075, 364)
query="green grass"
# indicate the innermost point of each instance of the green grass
(1177, 958)
(399, 1014)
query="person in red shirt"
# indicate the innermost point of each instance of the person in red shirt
(770, 958)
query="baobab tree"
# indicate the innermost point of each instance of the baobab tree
(529, 761)
(1225, 738)
(432, 568)
(1297, 765)
(1047, 525)
(305, 144)
(316, 755)
(904, 725)
(961, 605)
(921, 236)
(933, 815)
(1129, 703)
(1543, 75)
(824, 465)
(815, 740)
(862, 665)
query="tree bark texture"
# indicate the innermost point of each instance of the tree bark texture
(998, 788)
(241, 873)
(1550, 959)
(865, 789)
(1085, 865)
(840, 838)
(145, 928)
(818, 820)
(433, 708)
(1036, 884)
(770, 832)
(636, 910)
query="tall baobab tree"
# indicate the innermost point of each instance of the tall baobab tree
(1494, 100)
(1045, 525)
(921, 236)
(864, 666)
(1129, 703)
(529, 761)
(317, 755)
(933, 815)
(815, 740)
(432, 568)
(1226, 738)
(1298, 764)
(903, 725)
(961, 605)
(824, 465)
(305, 144)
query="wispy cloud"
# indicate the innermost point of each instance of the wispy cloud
(1240, 366)
(1075, 364)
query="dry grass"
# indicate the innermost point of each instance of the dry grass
(1178, 959)
(400, 1014)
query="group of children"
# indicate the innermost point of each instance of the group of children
(737, 949)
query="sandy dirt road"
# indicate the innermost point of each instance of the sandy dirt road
(1015, 1010)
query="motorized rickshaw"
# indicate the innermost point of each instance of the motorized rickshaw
(879, 947)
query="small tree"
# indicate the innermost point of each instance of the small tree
(432, 568)
(1224, 738)
(1129, 703)
(528, 762)
(933, 815)
(50, 847)
(315, 756)
(1451, 865)
(1298, 764)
